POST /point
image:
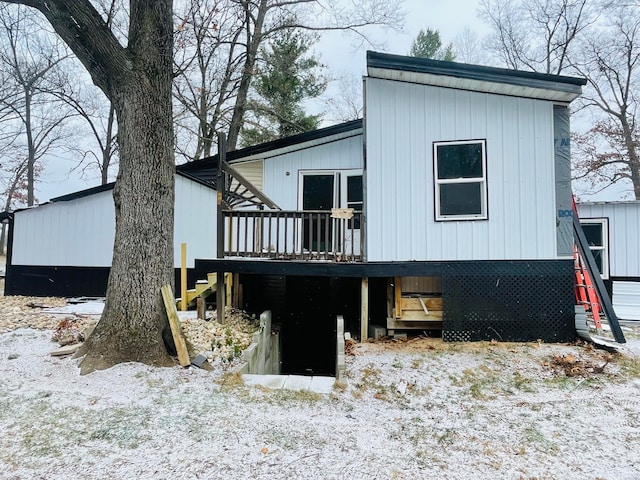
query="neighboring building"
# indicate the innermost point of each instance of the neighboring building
(612, 230)
(444, 208)
(64, 247)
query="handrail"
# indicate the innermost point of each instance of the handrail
(294, 235)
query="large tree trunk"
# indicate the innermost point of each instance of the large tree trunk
(133, 320)
(134, 317)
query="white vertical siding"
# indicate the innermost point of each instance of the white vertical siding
(402, 122)
(77, 232)
(195, 221)
(80, 232)
(281, 172)
(624, 234)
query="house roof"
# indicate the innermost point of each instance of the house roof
(476, 78)
(206, 168)
(204, 171)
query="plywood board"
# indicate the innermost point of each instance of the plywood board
(413, 303)
(174, 323)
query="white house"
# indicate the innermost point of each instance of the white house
(444, 208)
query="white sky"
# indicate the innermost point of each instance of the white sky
(337, 51)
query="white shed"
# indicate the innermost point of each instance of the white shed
(64, 247)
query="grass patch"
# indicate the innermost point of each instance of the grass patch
(629, 367)
(231, 380)
(536, 439)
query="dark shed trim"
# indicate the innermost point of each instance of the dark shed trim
(109, 186)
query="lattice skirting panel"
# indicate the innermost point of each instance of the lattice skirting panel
(508, 301)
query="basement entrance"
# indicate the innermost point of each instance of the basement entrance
(308, 322)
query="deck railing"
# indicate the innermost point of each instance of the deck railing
(294, 234)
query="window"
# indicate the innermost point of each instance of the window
(355, 198)
(597, 232)
(460, 180)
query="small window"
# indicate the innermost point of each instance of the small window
(460, 174)
(355, 198)
(597, 232)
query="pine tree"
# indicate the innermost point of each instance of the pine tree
(289, 76)
(429, 45)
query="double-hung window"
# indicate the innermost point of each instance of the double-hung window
(460, 172)
(597, 232)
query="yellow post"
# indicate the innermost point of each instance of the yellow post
(229, 287)
(183, 277)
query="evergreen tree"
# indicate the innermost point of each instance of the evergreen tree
(429, 45)
(288, 78)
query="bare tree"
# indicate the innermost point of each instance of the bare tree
(468, 47)
(231, 37)
(346, 104)
(610, 60)
(208, 59)
(30, 60)
(137, 79)
(535, 35)
(98, 149)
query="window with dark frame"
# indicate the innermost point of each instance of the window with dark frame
(596, 230)
(460, 175)
(355, 198)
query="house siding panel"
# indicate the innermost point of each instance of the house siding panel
(80, 232)
(520, 174)
(195, 221)
(251, 171)
(281, 172)
(624, 232)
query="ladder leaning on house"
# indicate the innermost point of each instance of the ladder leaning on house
(584, 289)
(589, 288)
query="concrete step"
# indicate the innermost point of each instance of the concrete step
(323, 385)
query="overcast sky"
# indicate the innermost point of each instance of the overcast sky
(342, 58)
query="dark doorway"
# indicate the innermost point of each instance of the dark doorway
(317, 194)
(308, 330)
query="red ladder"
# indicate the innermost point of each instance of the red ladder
(586, 294)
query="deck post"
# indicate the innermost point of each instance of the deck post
(220, 187)
(364, 309)
(183, 277)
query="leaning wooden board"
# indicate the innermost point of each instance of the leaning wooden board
(174, 323)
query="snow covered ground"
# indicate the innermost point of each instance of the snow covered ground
(416, 410)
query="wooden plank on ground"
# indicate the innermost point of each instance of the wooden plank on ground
(174, 323)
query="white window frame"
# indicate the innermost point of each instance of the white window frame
(604, 225)
(483, 215)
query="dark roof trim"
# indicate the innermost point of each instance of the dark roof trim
(109, 186)
(473, 72)
(276, 144)
(83, 193)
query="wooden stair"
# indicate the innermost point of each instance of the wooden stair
(203, 289)
(415, 303)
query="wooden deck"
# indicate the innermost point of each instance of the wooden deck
(333, 236)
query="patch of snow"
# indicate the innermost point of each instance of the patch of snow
(407, 410)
